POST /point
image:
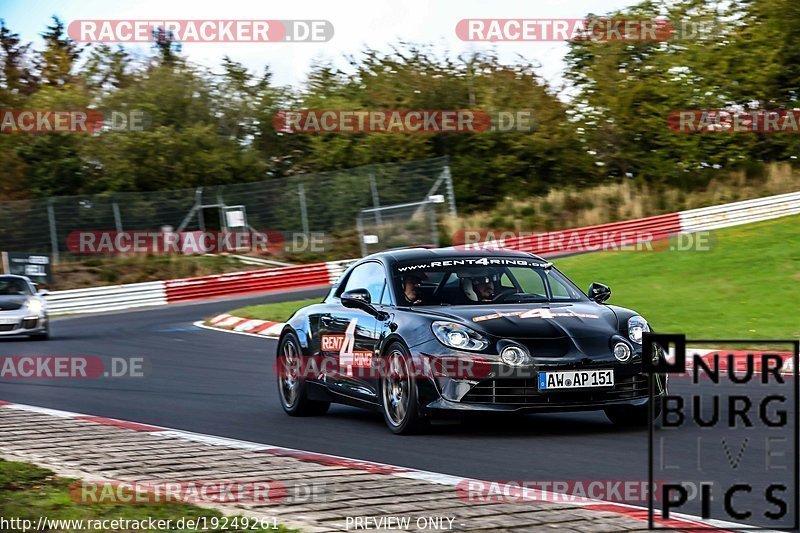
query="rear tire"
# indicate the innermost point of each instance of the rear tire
(631, 415)
(399, 393)
(292, 388)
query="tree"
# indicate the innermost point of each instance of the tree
(19, 80)
(59, 55)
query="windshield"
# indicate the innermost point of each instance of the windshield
(476, 281)
(14, 286)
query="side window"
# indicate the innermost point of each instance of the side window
(368, 276)
(530, 280)
(386, 299)
(560, 290)
(505, 281)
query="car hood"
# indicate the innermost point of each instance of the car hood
(12, 302)
(531, 320)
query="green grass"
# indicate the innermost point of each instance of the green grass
(746, 287)
(28, 492)
(276, 312)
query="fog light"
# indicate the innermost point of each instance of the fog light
(622, 351)
(513, 355)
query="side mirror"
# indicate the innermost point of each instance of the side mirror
(599, 292)
(43, 292)
(360, 299)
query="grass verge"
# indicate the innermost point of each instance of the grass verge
(275, 312)
(745, 287)
(28, 492)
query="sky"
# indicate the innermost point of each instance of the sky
(357, 23)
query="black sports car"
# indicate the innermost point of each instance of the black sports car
(426, 333)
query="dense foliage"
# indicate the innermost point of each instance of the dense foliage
(608, 123)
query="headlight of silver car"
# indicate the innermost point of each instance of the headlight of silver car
(636, 328)
(34, 306)
(459, 336)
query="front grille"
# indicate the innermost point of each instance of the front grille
(30, 323)
(526, 392)
(8, 327)
(10, 306)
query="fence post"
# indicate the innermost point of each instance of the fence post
(223, 220)
(376, 202)
(434, 226)
(451, 197)
(51, 215)
(198, 205)
(362, 244)
(301, 191)
(117, 217)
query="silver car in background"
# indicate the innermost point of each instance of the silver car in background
(23, 309)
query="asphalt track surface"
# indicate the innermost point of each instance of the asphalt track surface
(222, 384)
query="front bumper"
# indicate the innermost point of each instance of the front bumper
(521, 396)
(496, 387)
(22, 323)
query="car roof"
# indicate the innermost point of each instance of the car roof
(422, 254)
(15, 276)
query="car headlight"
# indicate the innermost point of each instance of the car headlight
(636, 328)
(459, 336)
(34, 306)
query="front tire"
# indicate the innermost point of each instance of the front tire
(292, 387)
(42, 336)
(399, 393)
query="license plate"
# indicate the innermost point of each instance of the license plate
(9, 320)
(576, 379)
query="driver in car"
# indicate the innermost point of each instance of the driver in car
(479, 286)
(484, 288)
(411, 292)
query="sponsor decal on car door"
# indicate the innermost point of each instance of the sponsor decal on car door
(354, 361)
(349, 357)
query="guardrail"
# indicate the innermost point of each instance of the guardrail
(551, 243)
(118, 297)
(179, 290)
(596, 238)
(618, 234)
(726, 215)
(112, 298)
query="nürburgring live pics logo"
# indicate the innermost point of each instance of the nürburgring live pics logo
(726, 448)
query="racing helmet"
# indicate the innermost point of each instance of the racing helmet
(472, 276)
